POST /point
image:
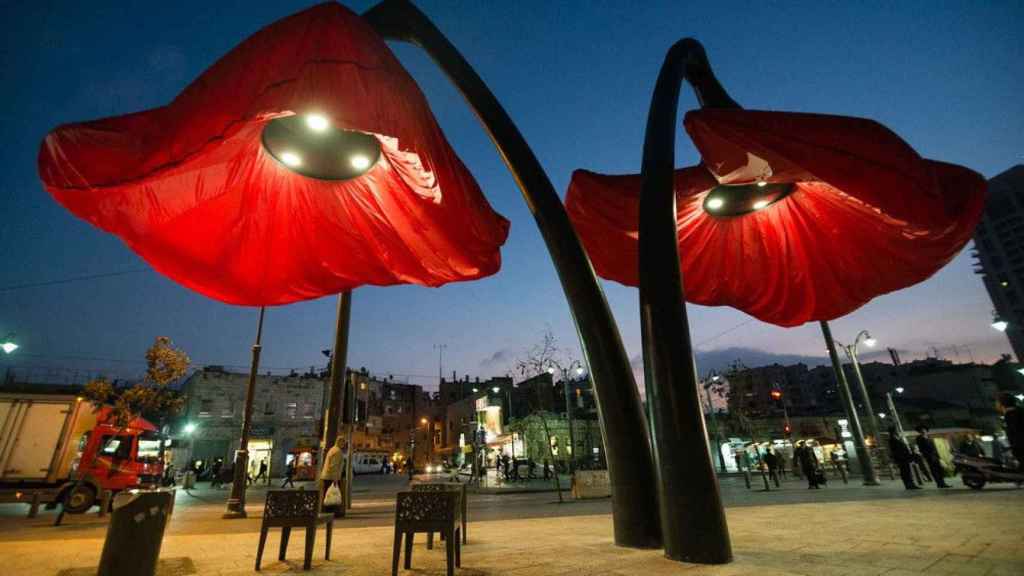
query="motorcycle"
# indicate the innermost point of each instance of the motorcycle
(978, 471)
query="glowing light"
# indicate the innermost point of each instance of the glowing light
(190, 428)
(423, 421)
(1001, 325)
(496, 389)
(291, 159)
(715, 203)
(760, 204)
(579, 371)
(1020, 371)
(987, 438)
(762, 184)
(881, 415)
(870, 342)
(551, 369)
(1004, 283)
(475, 390)
(317, 123)
(9, 347)
(1019, 397)
(360, 162)
(899, 389)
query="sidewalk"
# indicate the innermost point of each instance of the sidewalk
(967, 533)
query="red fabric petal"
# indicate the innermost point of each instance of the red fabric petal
(817, 254)
(190, 188)
(858, 156)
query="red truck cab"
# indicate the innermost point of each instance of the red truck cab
(114, 459)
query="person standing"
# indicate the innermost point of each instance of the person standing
(334, 464)
(808, 464)
(1013, 422)
(772, 461)
(926, 446)
(903, 457)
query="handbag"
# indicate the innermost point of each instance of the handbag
(333, 496)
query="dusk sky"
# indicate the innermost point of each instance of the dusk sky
(577, 78)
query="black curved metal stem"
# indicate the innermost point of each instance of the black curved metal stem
(693, 521)
(627, 446)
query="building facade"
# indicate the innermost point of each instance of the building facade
(999, 252)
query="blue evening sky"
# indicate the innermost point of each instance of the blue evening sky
(577, 78)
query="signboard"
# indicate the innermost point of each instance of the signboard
(261, 431)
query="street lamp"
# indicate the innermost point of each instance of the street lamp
(863, 454)
(8, 344)
(574, 365)
(190, 428)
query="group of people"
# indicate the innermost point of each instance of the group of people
(926, 458)
(508, 468)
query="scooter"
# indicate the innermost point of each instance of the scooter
(976, 472)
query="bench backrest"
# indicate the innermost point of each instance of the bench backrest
(425, 509)
(294, 504)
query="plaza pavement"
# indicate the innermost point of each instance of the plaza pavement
(842, 530)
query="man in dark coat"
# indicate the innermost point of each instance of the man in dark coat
(1013, 422)
(926, 446)
(804, 454)
(903, 457)
(772, 461)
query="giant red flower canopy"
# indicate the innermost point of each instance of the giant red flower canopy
(304, 162)
(790, 217)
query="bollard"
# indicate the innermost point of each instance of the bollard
(135, 533)
(33, 509)
(104, 503)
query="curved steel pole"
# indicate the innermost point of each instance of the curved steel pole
(627, 445)
(693, 522)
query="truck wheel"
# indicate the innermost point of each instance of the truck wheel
(974, 482)
(79, 499)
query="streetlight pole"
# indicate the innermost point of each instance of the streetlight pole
(236, 502)
(867, 468)
(872, 417)
(711, 381)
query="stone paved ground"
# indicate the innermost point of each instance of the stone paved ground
(957, 532)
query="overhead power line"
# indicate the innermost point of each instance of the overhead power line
(70, 280)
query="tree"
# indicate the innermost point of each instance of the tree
(543, 358)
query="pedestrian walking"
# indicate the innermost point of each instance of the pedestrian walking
(1013, 422)
(808, 464)
(262, 473)
(772, 461)
(289, 475)
(903, 457)
(547, 470)
(931, 456)
(782, 463)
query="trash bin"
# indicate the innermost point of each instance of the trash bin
(188, 481)
(135, 532)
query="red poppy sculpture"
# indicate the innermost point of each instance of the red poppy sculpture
(790, 217)
(304, 162)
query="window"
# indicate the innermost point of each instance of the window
(268, 409)
(228, 411)
(149, 447)
(307, 412)
(119, 447)
(292, 409)
(205, 407)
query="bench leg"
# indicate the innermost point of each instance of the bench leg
(465, 538)
(449, 548)
(327, 549)
(285, 533)
(458, 549)
(409, 536)
(259, 550)
(396, 551)
(307, 560)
